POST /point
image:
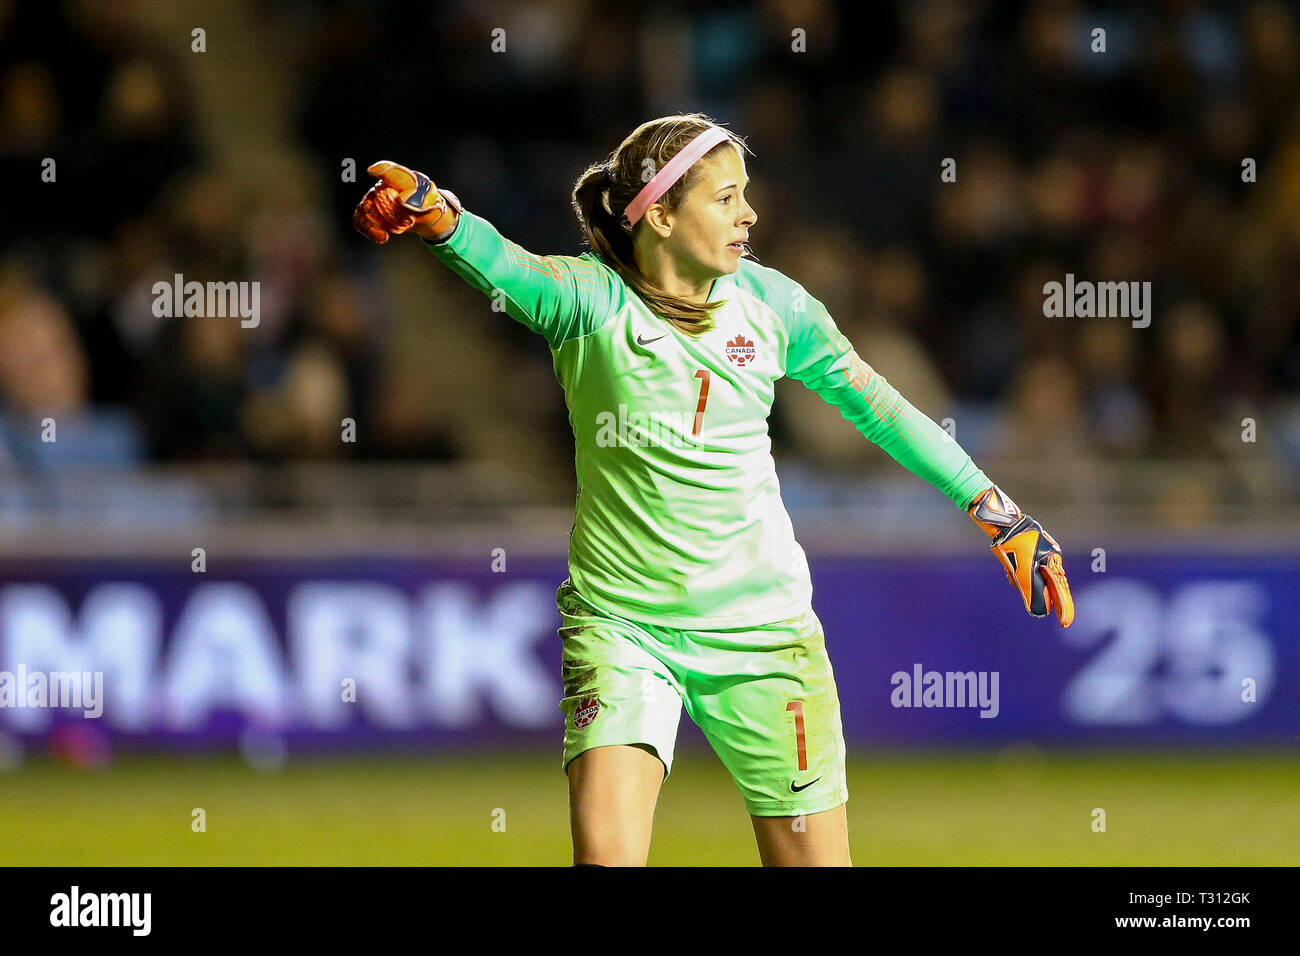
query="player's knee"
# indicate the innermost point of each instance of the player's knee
(611, 852)
(608, 860)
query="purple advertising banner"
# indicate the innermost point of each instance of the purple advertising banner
(352, 654)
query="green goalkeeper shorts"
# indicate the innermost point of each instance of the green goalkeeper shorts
(764, 698)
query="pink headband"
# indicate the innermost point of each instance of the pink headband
(673, 170)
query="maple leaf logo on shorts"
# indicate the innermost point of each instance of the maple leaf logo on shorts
(586, 712)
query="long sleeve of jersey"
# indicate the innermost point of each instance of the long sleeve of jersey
(820, 356)
(559, 297)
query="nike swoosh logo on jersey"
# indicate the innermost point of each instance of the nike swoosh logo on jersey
(794, 789)
(641, 341)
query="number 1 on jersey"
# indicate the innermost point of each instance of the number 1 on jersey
(703, 375)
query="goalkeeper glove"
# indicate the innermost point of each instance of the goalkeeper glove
(404, 199)
(1030, 556)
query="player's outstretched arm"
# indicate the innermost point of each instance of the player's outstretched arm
(822, 358)
(559, 297)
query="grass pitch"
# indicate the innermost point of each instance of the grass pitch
(1014, 808)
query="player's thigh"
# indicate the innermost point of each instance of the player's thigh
(613, 790)
(815, 839)
(767, 702)
(622, 706)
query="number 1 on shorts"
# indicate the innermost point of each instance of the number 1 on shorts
(797, 707)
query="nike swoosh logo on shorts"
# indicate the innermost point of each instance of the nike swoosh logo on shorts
(794, 789)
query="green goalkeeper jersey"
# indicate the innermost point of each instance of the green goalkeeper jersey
(679, 519)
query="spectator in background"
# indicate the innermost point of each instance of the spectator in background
(30, 113)
(1191, 348)
(406, 425)
(303, 417)
(46, 419)
(884, 175)
(1108, 366)
(140, 141)
(197, 389)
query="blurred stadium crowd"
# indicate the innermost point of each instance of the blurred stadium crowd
(1125, 165)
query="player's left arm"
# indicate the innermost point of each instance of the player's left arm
(821, 357)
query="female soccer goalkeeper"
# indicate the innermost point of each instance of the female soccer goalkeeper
(686, 584)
